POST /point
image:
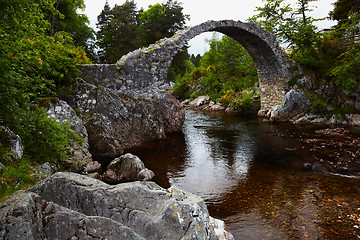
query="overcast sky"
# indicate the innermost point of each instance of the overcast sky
(203, 10)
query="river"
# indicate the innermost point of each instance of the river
(251, 175)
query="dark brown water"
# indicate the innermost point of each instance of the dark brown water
(251, 175)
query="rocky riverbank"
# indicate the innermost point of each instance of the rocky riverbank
(296, 107)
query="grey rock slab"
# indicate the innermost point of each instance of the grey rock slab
(294, 103)
(151, 211)
(28, 216)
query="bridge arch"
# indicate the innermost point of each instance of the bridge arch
(144, 71)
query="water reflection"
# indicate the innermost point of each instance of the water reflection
(219, 153)
(254, 179)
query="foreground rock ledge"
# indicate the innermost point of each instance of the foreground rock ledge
(73, 206)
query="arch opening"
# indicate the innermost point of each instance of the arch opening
(225, 73)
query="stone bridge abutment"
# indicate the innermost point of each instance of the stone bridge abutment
(143, 72)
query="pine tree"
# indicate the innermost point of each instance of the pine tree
(103, 21)
(161, 20)
(118, 32)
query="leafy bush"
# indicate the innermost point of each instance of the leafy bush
(227, 97)
(319, 107)
(347, 72)
(245, 101)
(46, 140)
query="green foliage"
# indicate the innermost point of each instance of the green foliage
(343, 9)
(223, 71)
(181, 89)
(35, 61)
(123, 29)
(15, 177)
(347, 72)
(291, 26)
(345, 68)
(32, 63)
(180, 65)
(333, 57)
(119, 31)
(161, 20)
(319, 106)
(245, 101)
(45, 139)
(195, 59)
(67, 18)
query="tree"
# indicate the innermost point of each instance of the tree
(235, 68)
(195, 59)
(118, 32)
(161, 20)
(345, 68)
(292, 26)
(344, 9)
(179, 65)
(66, 18)
(123, 29)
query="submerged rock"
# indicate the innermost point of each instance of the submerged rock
(73, 206)
(126, 168)
(316, 167)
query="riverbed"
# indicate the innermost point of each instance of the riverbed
(266, 181)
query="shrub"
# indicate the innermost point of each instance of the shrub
(319, 107)
(46, 140)
(245, 101)
(181, 89)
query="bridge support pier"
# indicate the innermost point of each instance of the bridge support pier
(271, 94)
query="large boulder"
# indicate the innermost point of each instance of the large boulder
(80, 159)
(73, 206)
(117, 122)
(126, 168)
(295, 103)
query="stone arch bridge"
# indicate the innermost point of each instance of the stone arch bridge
(143, 72)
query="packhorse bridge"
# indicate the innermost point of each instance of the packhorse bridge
(143, 72)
